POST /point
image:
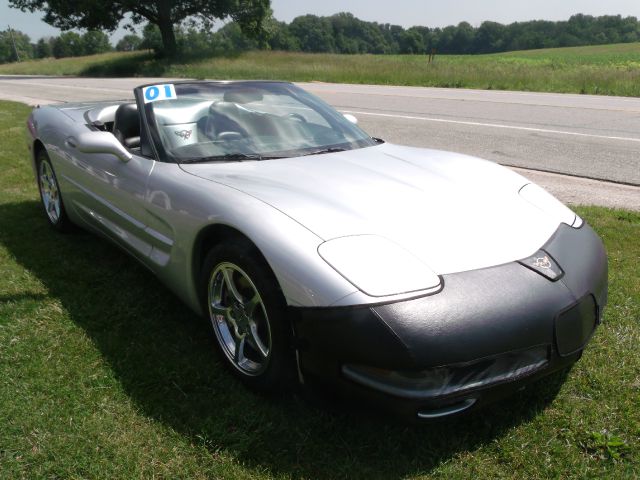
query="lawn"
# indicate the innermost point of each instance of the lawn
(602, 69)
(105, 374)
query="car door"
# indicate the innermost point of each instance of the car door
(113, 195)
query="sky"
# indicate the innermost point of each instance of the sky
(407, 13)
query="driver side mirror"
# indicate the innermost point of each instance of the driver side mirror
(99, 142)
(351, 118)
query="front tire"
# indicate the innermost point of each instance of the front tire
(50, 194)
(247, 312)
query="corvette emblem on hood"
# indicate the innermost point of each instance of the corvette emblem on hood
(541, 262)
(184, 134)
(544, 264)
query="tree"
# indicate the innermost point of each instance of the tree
(43, 48)
(445, 40)
(151, 38)
(22, 44)
(107, 14)
(462, 41)
(280, 38)
(230, 38)
(490, 37)
(68, 44)
(411, 42)
(129, 43)
(95, 41)
(314, 33)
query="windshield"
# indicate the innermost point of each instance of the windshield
(194, 122)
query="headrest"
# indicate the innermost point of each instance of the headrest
(127, 121)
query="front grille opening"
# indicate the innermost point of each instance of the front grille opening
(452, 379)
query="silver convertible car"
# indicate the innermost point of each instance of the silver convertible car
(422, 281)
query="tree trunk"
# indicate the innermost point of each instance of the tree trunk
(169, 45)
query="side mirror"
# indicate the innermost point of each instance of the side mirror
(99, 142)
(351, 118)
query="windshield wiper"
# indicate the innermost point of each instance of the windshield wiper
(326, 150)
(229, 157)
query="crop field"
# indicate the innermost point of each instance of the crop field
(603, 69)
(105, 374)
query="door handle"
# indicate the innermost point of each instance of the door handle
(71, 142)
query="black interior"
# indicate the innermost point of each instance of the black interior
(220, 121)
(126, 126)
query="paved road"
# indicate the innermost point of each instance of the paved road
(579, 135)
(588, 136)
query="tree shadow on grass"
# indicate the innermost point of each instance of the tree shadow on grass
(143, 64)
(163, 356)
(147, 64)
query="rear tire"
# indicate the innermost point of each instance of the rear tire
(50, 194)
(247, 312)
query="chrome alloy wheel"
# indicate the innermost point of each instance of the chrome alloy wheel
(239, 319)
(49, 191)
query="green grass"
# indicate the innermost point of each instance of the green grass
(603, 69)
(105, 374)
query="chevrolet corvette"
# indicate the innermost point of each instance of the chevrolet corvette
(422, 281)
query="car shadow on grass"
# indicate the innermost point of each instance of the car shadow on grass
(162, 354)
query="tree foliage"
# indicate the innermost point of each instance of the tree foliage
(129, 43)
(95, 41)
(68, 44)
(107, 14)
(22, 45)
(344, 33)
(340, 33)
(43, 48)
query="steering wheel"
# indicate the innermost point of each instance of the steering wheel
(230, 136)
(297, 116)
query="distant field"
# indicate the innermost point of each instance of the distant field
(603, 69)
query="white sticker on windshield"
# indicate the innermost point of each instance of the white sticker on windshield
(159, 92)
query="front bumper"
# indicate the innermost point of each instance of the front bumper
(484, 335)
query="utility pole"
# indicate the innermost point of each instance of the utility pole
(13, 41)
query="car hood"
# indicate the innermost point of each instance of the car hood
(452, 211)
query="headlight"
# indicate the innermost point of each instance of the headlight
(540, 198)
(378, 266)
